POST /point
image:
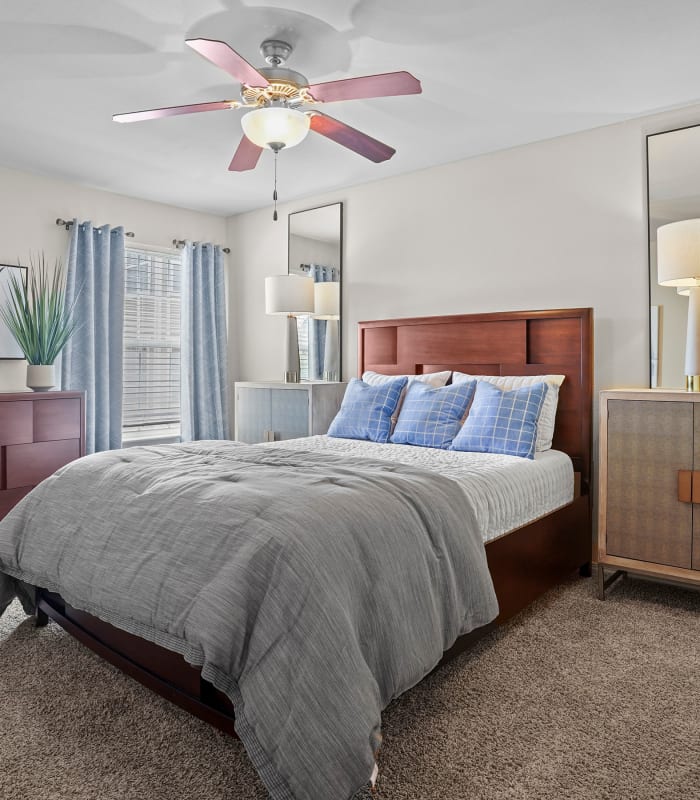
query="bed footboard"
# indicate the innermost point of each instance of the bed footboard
(161, 670)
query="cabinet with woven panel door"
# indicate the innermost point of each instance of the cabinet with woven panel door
(649, 486)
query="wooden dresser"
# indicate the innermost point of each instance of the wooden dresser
(39, 432)
(649, 485)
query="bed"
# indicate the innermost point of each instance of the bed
(524, 560)
(531, 559)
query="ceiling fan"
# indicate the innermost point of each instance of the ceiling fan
(275, 95)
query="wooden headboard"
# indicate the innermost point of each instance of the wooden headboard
(506, 343)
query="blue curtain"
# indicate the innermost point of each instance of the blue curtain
(92, 358)
(317, 327)
(203, 344)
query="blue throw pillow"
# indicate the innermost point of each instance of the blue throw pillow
(431, 417)
(365, 412)
(502, 422)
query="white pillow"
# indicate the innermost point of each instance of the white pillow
(545, 422)
(434, 379)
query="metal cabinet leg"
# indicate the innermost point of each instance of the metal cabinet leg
(600, 577)
(604, 582)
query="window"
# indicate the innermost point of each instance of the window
(151, 407)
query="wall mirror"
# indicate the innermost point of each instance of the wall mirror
(673, 163)
(315, 249)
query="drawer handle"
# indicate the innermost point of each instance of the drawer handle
(686, 485)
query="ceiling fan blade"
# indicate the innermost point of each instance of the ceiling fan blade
(173, 111)
(387, 84)
(246, 156)
(227, 58)
(351, 138)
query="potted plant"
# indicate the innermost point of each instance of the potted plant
(37, 317)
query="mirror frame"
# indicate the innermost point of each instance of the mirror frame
(658, 322)
(341, 268)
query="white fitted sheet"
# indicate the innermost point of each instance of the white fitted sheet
(506, 491)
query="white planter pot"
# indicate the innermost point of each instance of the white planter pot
(40, 377)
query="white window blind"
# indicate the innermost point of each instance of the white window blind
(151, 402)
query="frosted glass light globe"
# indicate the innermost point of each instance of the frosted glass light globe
(279, 126)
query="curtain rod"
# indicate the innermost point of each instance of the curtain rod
(180, 243)
(68, 224)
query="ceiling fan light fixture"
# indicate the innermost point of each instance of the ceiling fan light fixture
(275, 127)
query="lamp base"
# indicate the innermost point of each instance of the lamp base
(292, 366)
(692, 342)
(331, 355)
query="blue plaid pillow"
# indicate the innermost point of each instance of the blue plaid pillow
(365, 412)
(502, 422)
(431, 417)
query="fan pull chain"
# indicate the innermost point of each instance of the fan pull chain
(274, 194)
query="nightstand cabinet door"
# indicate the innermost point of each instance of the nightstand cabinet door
(289, 412)
(648, 443)
(695, 558)
(253, 414)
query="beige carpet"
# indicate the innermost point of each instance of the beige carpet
(574, 699)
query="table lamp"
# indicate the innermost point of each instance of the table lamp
(327, 306)
(678, 264)
(292, 295)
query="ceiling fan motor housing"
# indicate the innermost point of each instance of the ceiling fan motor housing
(275, 51)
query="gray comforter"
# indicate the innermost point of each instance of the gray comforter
(311, 588)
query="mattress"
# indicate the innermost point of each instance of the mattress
(506, 492)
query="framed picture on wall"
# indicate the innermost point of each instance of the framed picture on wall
(8, 346)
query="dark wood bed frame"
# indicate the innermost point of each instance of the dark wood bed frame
(524, 563)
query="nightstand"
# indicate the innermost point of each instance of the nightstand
(649, 490)
(270, 411)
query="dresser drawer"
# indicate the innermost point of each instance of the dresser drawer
(28, 464)
(16, 422)
(10, 497)
(57, 419)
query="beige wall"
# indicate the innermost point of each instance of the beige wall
(559, 223)
(552, 224)
(303, 250)
(30, 204)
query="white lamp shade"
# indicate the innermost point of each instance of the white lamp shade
(289, 294)
(678, 253)
(327, 300)
(275, 126)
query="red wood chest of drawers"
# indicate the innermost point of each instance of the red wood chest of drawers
(39, 432)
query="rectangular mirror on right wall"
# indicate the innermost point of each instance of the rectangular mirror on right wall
(673, 162)
(316, 250)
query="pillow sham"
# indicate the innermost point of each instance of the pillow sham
(365, 412)
(432, 416)
(545, 423)
(431, 378)
(502, 422)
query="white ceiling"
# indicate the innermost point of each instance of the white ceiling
(495, 73)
